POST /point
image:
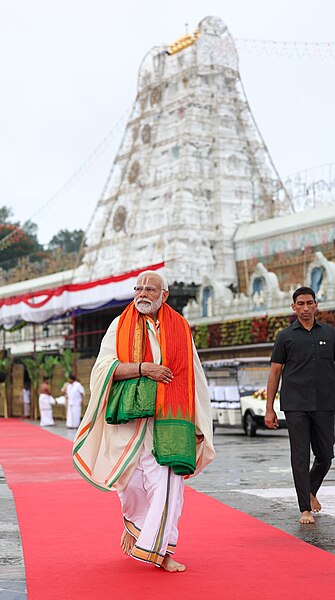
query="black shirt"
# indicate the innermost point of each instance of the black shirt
(308, 376)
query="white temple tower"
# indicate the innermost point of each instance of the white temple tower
(192, 166)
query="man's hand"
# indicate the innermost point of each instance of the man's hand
(156, 372)
(270, 419)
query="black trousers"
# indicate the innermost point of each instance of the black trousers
(310, 429)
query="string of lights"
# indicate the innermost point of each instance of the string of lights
(15, 235)
(281, 49)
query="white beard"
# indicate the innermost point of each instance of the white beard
(147, 307)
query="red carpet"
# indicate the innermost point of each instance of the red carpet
(71, 533)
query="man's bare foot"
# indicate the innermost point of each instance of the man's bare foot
(306, 518)
(171, 565)
(315, 504)
(127, 542)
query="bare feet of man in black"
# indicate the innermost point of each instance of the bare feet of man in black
(315, 504)
(306, 518)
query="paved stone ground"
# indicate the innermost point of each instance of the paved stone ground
(250, 474)
(254, 476)
(12, 572)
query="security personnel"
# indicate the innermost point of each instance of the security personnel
(304, 355)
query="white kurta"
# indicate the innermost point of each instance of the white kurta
(107, 455)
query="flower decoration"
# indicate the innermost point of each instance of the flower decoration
(261, 394)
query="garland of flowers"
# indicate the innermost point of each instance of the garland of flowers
(261, 394)
(239, 332)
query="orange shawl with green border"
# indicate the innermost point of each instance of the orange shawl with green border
(174, 440)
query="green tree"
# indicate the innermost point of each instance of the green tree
(24, 240)
(67, 361)
(4, 371)
(23, 245)
(49, 364)
(4, 365)
(5, 214)
(34, 367)
(69, 241)
(31, 230)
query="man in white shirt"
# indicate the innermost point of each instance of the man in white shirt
(26, 400)
(74, 398)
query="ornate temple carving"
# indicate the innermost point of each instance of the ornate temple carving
(191, 167)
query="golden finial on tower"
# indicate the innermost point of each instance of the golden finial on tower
(187, 40)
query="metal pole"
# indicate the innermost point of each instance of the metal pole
(74, 343)
(5, 402)
(4, 385)
(35, 390)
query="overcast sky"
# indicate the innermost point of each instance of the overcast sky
(69, 70)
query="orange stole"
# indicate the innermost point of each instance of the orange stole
(132, 344)
(176, 400)
(174, 429)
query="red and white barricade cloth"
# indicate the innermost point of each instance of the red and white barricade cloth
(40, 306)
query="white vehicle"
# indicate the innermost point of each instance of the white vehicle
(237, 393)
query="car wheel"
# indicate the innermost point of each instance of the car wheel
(250, 425)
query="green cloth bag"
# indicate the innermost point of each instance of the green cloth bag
(131, 399)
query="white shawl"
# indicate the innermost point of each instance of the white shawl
(107, 455)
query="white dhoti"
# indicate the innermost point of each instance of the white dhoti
(45, 405)
(73, 416)
(151, 505)
(26, 409)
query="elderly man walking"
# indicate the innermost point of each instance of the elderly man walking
(148, 422)
(304, 355)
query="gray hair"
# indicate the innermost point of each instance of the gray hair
(163, 280)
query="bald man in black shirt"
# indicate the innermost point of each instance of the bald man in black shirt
(304, 355)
